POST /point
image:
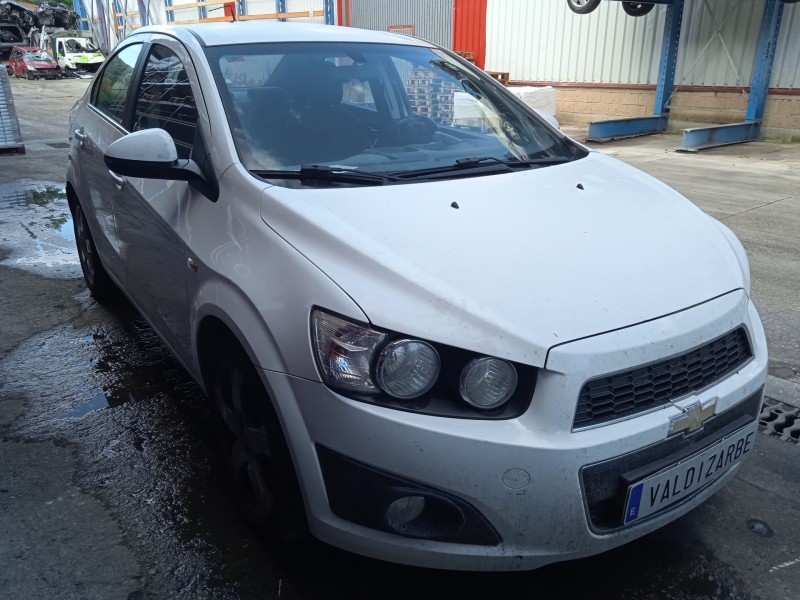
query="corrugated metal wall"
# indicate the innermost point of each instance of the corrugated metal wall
(469, 28)
(545, 41)
(433, 18)
(786, 70)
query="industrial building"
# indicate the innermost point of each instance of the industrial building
(604, 65)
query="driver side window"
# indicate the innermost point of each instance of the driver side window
(165, 99)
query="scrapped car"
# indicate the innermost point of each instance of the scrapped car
(433, 329)
(74, 53)
(32, 63)
(10, 35)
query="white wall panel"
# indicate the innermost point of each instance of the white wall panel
(305, 6)
(542, 40)
(786, 70)
(433, 19)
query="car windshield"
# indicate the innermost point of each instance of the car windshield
(37, 56)
(377, 109)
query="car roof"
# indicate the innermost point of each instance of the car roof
(259, 31)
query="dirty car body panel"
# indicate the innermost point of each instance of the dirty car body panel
(486, 346)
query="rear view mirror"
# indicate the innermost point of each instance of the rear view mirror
(151, 154)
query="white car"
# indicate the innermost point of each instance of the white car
(434, 329)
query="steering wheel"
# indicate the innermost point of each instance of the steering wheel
(413, 129)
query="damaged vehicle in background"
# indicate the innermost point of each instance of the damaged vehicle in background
(32, 63)
(433, 329)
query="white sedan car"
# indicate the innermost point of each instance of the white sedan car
(434, 329)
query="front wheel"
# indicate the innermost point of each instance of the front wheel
(637, 9)
(583, 7)
(254, 447)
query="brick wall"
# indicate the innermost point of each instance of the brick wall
(690, 108)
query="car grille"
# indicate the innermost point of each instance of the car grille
(630, 392)
(605, 485)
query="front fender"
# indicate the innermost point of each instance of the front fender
(269, 310)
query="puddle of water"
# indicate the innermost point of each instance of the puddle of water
(36, 229)
(98, 401)
(141, 426)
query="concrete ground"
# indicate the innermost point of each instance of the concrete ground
(109, 486)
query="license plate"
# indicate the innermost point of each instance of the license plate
(673, 484)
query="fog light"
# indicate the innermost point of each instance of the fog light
(487, 383)
(404, 510)
(407, 368)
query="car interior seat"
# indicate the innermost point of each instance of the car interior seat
(266, 124)
(323, 129)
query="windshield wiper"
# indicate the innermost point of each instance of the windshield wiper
(469, 166)
(481, 165)
(324, 173)
(543, 162)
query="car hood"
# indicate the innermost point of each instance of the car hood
(512, 264)
(41, 64)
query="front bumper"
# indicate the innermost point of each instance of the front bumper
(525, 476)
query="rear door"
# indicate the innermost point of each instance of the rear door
(95, 125)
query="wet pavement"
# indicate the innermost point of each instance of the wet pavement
(110, 486)
(141, 446)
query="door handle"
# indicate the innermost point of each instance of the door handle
(79, 135)
(119, 181)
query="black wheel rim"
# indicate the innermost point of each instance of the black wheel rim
(249, 448)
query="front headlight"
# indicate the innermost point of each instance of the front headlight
(30, 68)
(386, 368)
(488, 382)
(345, 351)
(407, 368)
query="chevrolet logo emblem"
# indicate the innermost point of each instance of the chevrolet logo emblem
(692, 417)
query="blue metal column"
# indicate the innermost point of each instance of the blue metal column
(143, 17)
(329, 12)
(170, 13)
(617, 128)
(280, 7)
(710, 137)
(81, 10)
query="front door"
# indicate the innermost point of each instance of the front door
(151, 213)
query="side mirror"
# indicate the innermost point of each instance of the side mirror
(151, 154)
(549, 118)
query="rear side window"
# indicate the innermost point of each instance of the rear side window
(165, 99)
(111, 90)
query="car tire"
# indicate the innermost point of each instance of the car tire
(100, 284)
(28, 75)
(253, 447)
(637, 9)
(583, 7)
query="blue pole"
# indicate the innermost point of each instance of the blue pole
(142, 13)
(669, 56)
(329, 12)
(765, 56)
(280, 7)
(80, 8)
